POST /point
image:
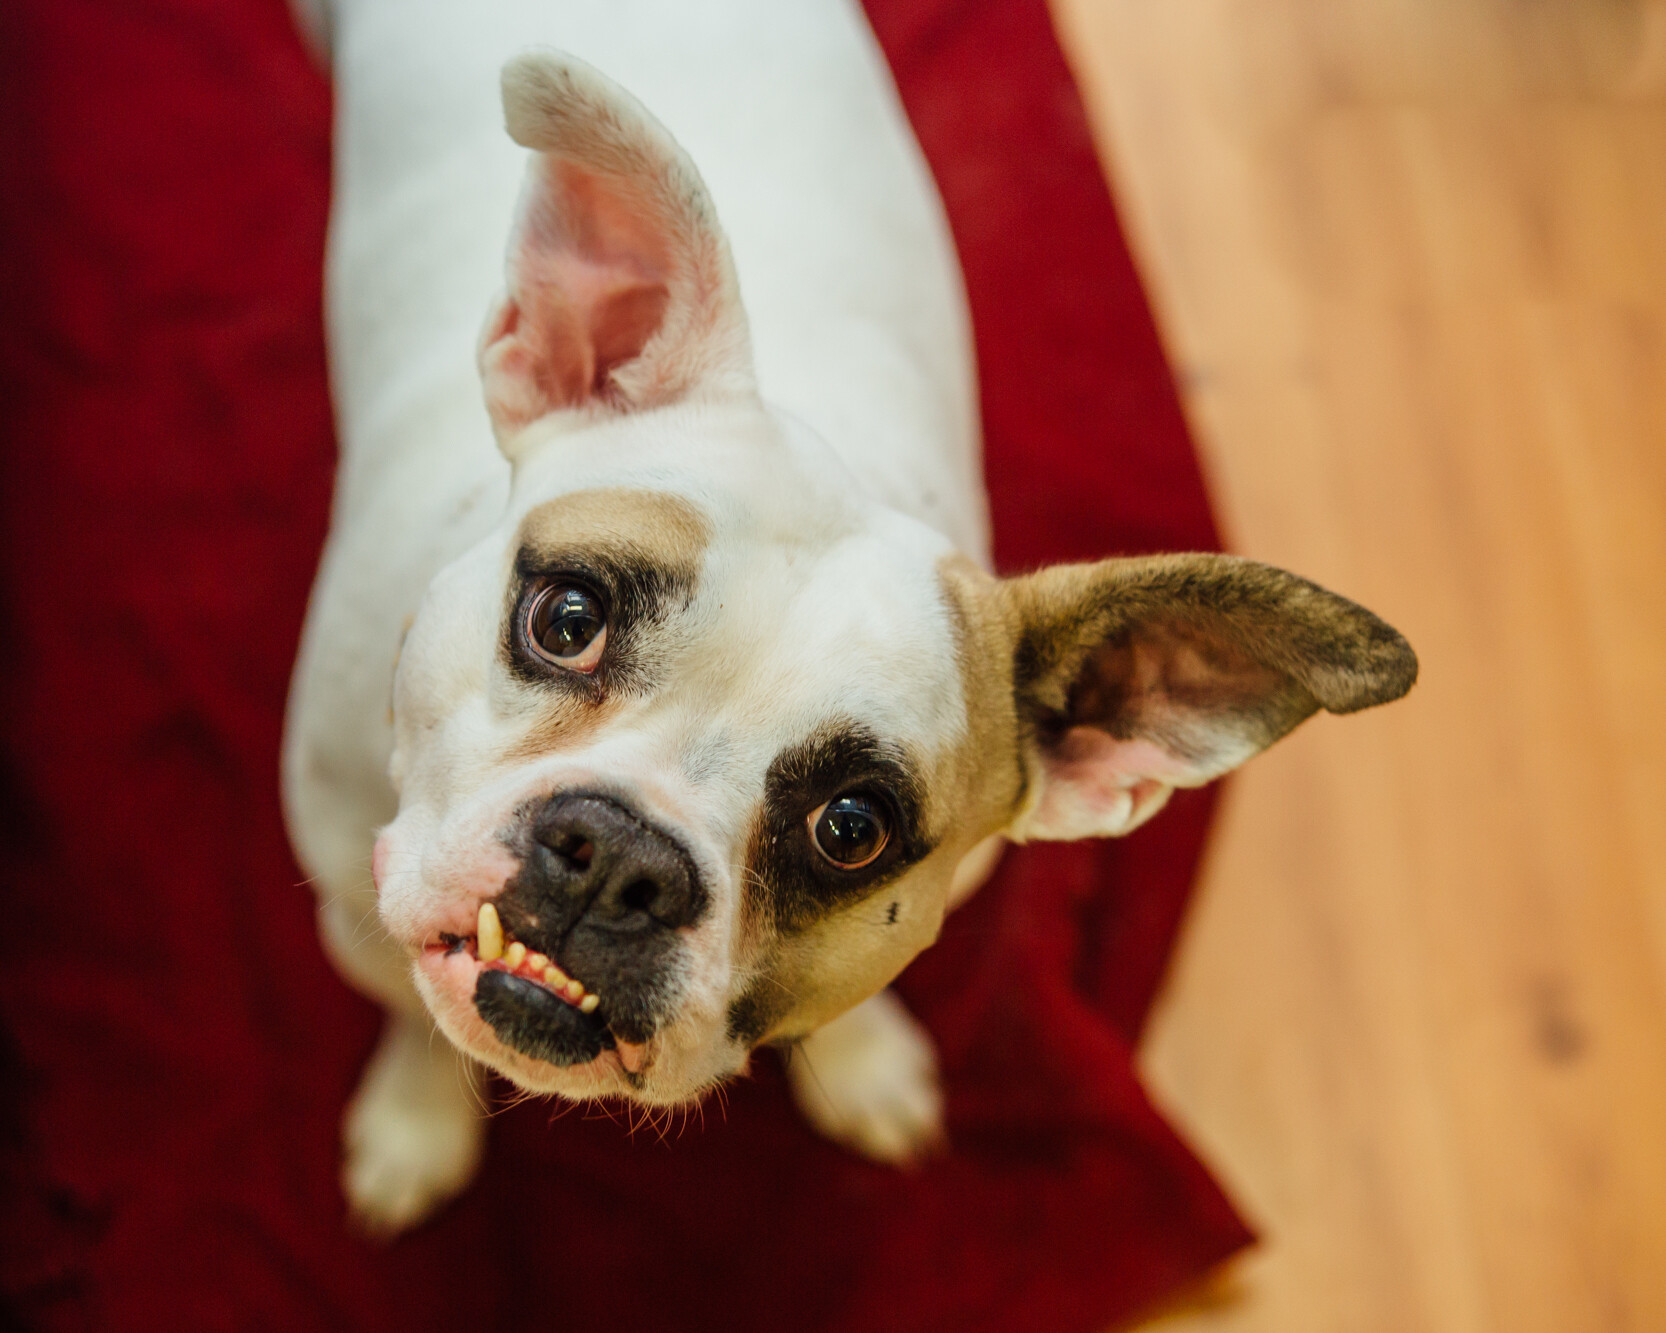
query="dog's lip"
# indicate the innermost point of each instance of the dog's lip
(447, 950)
(529, 965)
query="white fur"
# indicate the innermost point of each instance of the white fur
(413, 1133)
(868, 1080)
(861, 347)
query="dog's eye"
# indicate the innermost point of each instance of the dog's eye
(850, 830)
(566, 625)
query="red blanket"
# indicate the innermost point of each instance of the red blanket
(178, 1050)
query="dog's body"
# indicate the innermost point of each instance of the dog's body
(720, 626)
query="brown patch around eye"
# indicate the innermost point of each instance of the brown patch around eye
(795, 886)
(639, 526)
(640, 553)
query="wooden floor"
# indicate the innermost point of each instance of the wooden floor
(1410, 259)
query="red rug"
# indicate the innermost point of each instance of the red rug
(178, 1050)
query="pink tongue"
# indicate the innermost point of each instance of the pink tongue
(630, 1054)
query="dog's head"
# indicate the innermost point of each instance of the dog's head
(691, 747)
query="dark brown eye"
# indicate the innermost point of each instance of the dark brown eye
(566, 625)
(850, 830)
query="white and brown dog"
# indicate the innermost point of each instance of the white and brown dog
(707, 708)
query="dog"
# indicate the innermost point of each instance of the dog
(705, 705)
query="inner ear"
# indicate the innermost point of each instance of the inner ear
(621, 292)
(1201, 699)
(588, 290)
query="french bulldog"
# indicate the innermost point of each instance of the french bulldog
(705, 705)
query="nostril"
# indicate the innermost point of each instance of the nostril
(595, 859)
(639, 895)
(572, 847)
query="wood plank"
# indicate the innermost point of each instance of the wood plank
(1410, 259)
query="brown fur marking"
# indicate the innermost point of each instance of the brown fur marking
(649, 527)
(646, 528)
(984, 775)
(1170, 646)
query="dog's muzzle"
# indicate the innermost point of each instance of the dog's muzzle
(602, 893)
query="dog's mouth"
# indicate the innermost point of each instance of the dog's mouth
(533, 1005)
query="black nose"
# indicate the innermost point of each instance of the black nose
(612, 867)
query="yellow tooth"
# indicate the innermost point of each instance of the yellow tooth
(515, 954)
(588, 1004)
(488, 935)
(575, 991)
(554, 977)
(536, 963)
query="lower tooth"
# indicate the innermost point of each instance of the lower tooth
(588, 1004)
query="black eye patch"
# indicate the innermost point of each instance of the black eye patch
(797, 884)
(632, 594)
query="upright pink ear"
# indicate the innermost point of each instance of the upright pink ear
(1134, 677)
(621, 291)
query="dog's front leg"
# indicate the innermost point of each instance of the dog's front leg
(868, 1080)
(414, 1130)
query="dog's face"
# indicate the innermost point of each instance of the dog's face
(704, 736)
(691, 746)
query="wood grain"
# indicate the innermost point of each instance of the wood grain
(1409, 257)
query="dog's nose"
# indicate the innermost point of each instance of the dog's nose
(612, 867)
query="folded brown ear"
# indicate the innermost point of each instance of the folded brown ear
(1138, 676)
